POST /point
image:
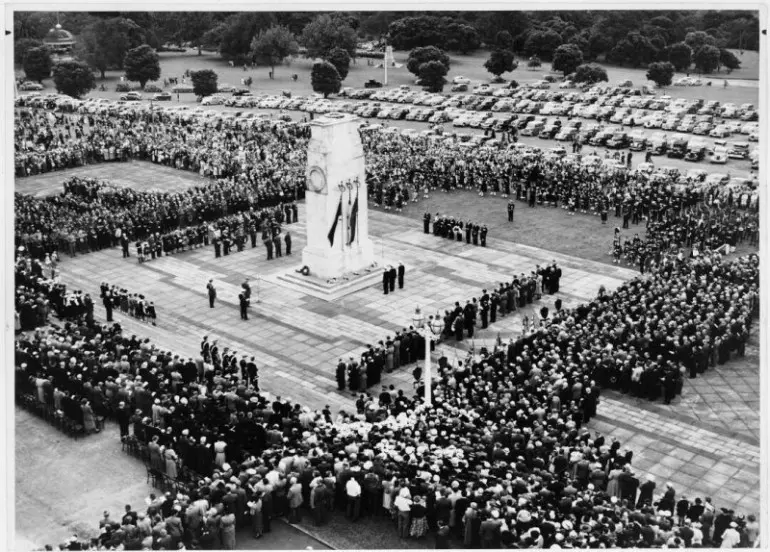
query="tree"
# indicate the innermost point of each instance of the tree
(729, 60)
(432, 75)
(325, 33)
(504, 40)
(104, 43)
(273, 45)
(22, 46)
(192, 28)
(534, 62)
(461, 38)
(341, 61)
(142, 64)
(661, 73)
(542, 43)
(416, 32)
(590, 73)
(706, 59)
(325, 79)
(680, 55)
(204, 82)
(418, 56)
(73, 78)
(238, 31)
(500, 61)
(37, 65)
(635, 49)
(567, 58)
(697, 39)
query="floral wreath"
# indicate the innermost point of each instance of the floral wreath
(305, 270)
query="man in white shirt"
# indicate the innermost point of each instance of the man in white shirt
(353, 490)
(731, 537)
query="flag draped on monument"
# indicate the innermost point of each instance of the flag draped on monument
(353, 221)
(337, 217)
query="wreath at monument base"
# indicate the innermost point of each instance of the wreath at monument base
(305, 270)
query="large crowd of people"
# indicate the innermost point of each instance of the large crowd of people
(503, 459)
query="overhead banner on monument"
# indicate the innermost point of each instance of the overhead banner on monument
(353, 221)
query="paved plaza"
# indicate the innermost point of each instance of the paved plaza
(706, 442)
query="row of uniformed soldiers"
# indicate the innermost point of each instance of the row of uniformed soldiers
(455, 229)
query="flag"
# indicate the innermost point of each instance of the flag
(334, 224)
(353, 221)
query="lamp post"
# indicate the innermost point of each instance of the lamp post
(429, 331)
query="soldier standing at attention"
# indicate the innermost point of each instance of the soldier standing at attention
(426, 223)
(244, 305)
(212, 293)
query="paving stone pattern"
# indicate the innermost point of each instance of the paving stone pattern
(298, 339)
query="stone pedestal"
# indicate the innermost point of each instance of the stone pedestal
(335, 180)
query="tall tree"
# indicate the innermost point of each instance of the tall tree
(567, 58)
(500, 61)
(504, 40)
(204, 82)
(327, 32)
(680, 55)
(193, 26)
(699, 38)
(729, 60)
(432, 75)
(37, 64)
(74, 78)
(104, 43)
(325, 79)
(22, 46)
(661, 73)
(542, 43)
(238, 31)
(706, 58)
(461, 38)
(418, 56)
(273, 45)
(142, 65)
(341, 61)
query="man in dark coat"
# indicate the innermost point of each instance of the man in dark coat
(287, 240)
(269, 247)
(244, 302)
(511, 207)
(386, 280)
(123, 415)
(341, 368)
(212, 291)
(392, 274)
(401, 271)
(277, 245)
(483, 235)
(426, 223)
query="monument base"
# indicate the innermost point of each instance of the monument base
(328, 289)
(337, 263)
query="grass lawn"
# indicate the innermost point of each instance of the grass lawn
(174, 64)
(549, 228)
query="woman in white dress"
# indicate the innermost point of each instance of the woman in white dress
(219, 449)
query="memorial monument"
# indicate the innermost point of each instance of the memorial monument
(337, 212)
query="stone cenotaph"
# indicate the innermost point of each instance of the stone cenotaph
(336, 200)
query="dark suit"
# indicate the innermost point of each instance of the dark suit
(212, 294)
(287, 239)
(392, 277)
(401, 271)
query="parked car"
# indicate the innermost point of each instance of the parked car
(696, 150)
(719, 155)
(459, 79)
(29, 86)
(739, 150)
(131, 97)
(371, 83)
(637, 141)
(720, 131)
(618, 140)
(678, 148)
(533, 128)
(162, 97)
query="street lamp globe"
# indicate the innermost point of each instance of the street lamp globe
(436, 324)
(418, 319)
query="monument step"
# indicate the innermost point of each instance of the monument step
(327, 290)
